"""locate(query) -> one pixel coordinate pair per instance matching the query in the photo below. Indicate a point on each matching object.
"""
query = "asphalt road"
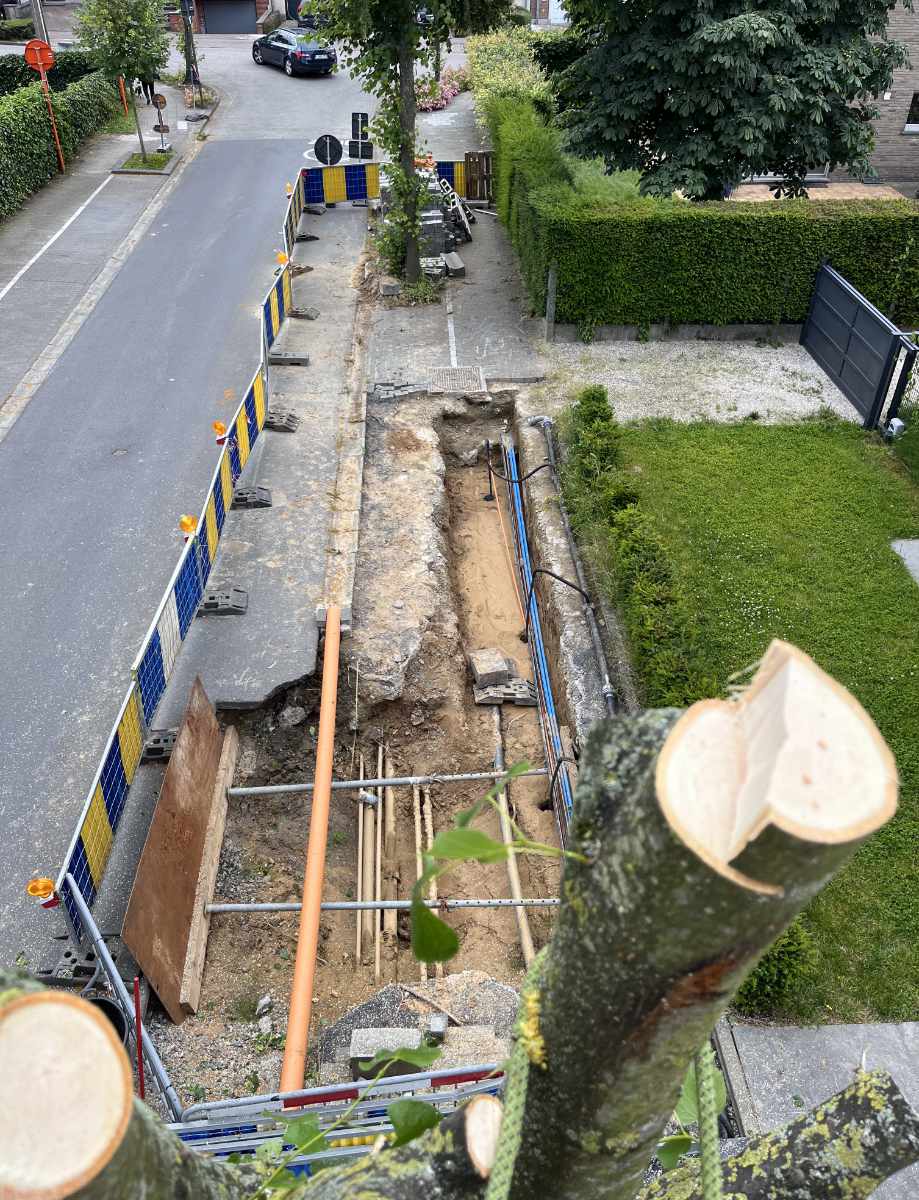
(116, 444)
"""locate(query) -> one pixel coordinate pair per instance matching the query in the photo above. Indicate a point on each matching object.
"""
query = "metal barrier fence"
(334, 185)
(91, 845)
(293, 214)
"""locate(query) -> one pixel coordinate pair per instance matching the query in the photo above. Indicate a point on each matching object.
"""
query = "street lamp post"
(38, 20)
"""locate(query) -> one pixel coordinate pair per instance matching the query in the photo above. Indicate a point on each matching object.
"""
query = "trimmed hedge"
(28, 159)
(69, 66)
(18, 30)
(637, 261)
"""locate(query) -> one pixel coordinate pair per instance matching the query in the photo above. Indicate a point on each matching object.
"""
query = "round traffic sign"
(39, 55)
(159, 100)
(328, 149)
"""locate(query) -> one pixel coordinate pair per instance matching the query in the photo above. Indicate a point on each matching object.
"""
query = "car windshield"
(305, 43)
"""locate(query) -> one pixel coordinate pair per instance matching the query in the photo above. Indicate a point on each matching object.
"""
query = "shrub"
(519, 17)
(431, 95)
(500, 64)
(27, 155)
(69, 66)
(779, 973)
(17, 31)
(556, 49)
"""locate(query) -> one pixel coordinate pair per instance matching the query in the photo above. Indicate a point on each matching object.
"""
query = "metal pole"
(359, 785)
(117, 984)
(38, 20)
(301, 994)
(507, 837)
(386, 905)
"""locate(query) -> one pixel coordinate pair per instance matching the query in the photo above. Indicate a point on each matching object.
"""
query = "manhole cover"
(458, 379)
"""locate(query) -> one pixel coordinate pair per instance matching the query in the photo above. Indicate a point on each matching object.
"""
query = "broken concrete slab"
(390, 286)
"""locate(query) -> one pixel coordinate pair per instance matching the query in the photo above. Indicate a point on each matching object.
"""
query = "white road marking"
(50, 242)
(451, 336)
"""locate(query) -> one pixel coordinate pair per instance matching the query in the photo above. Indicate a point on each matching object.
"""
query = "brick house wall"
(896, 154)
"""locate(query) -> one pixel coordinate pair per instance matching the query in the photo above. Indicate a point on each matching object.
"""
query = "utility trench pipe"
(301, 996)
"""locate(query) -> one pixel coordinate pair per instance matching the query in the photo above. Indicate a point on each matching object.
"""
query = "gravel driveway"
(689, 380)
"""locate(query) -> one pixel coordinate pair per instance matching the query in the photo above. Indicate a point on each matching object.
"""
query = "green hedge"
(69, 66)
(20, 30)
(28, 159)
(626, 260)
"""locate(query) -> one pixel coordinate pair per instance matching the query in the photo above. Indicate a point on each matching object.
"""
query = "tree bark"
(841, 1150)
(649, 947)
(407, 157)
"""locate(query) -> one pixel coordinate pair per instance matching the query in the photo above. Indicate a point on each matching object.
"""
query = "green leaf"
(687, 1109)
(669, 1149)
(410, 1118)
(432, 939)
(421, 1057)
(304, 1133)
(468, 843)
(270, 1150)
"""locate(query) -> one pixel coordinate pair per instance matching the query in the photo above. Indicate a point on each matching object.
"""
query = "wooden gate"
(478, 175)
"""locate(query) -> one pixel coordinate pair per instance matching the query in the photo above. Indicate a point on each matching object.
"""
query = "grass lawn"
(784, 531)
(155, 161)
(119, 122)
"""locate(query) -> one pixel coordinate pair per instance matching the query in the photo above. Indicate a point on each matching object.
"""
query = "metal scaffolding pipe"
(125, 1002)
(507, 837)
(301, 994)
(370, 905)
(356, 785)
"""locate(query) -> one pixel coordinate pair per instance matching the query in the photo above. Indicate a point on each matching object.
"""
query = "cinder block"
(491, 668)
(455, 265)
(365, 1043)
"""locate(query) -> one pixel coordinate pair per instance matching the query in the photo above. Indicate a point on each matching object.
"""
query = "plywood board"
(161, 907)
(196, 952)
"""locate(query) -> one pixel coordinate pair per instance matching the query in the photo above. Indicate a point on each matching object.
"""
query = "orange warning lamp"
(220, 431)
(288, 187)
(188, 524)
(281, 257)
(42, 890)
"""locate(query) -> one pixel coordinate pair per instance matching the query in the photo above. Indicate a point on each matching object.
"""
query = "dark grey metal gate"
(857, 346)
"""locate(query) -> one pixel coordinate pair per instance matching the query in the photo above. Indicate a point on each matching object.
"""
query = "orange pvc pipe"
(301, 994)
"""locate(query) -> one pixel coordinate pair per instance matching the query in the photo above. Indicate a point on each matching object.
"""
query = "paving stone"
(390, 286)
(490, 667)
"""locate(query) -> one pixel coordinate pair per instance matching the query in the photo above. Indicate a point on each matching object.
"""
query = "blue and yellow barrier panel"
(91, 845)
(277, 304)
(333, 185)
(293, 215)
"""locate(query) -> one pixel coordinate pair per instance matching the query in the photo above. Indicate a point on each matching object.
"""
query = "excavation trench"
(449, 586)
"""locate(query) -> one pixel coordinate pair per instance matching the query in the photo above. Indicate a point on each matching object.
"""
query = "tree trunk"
(653, 938)
(188, 49)
(437, 50)
(407, 158)
(842, 1150)
(140, 136)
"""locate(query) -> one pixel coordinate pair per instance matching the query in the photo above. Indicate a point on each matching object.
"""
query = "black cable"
(529, 606)
(565, 758)
(523, 478)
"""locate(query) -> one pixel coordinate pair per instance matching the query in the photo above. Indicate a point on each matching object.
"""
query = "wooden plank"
(472, 176)
(190, 992)
(159, 916)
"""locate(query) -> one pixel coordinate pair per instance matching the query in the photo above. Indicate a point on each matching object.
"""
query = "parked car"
(297, 53)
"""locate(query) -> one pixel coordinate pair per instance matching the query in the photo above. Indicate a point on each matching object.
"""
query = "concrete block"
(438, 1023)
(315, 210)
(365, 1043)
(455, 265)
(491, 668)
(390, 286)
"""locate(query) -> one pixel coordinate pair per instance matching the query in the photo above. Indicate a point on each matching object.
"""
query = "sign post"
(161, 127)
(40, 57)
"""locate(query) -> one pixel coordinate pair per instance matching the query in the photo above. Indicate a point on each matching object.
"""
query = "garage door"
(229, 16)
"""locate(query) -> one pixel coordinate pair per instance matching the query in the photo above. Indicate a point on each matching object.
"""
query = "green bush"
(16, 31)
(519, 17)
(28, 158)
(69, 66)
(779, 974)
(556, 49)
(627, 260)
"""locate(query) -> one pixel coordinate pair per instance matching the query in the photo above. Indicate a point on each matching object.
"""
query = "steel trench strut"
(385, 905)
(124, 1000)
(357, 785)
